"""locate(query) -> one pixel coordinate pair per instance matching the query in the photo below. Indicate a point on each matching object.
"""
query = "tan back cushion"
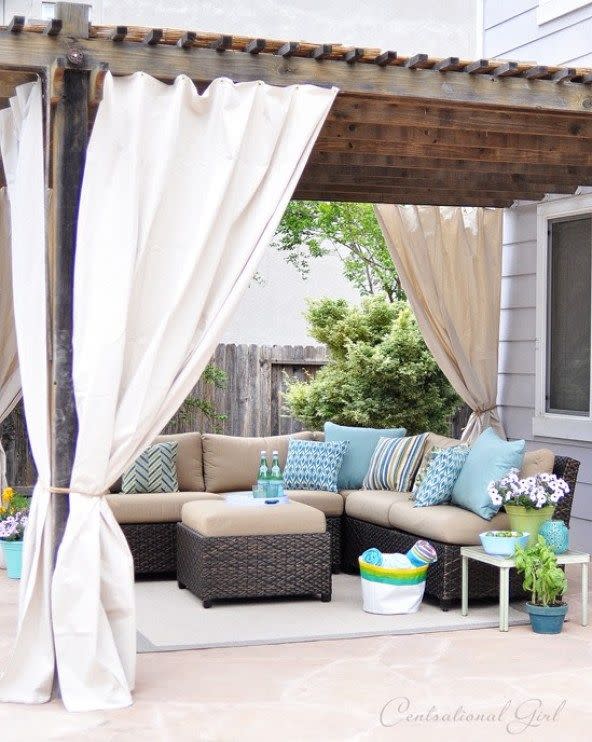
(540, 461)
(189, 462)
(231, 462)
(434, 440)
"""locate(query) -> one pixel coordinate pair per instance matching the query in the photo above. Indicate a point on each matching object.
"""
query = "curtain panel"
(10, 380)
(29, 674)
(449, 260)
(181, 194)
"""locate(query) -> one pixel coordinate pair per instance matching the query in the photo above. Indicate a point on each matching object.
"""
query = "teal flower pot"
(556, 534)
(546, 619)
(13, 555)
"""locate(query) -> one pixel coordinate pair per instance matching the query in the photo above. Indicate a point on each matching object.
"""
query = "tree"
(380, 373)
(311, 229)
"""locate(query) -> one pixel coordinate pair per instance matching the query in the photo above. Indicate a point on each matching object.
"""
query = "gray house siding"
(511, 31)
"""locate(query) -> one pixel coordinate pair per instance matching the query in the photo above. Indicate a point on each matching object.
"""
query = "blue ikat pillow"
(312, 465)
(440, 477)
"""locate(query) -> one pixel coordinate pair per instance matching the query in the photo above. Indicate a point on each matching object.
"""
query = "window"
(548, 10)
(564, 311)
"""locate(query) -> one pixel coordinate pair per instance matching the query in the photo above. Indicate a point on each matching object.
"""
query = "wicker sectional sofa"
(209, 466)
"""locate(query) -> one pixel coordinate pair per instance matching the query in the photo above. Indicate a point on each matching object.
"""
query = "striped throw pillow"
(394, 463)
(155, 470)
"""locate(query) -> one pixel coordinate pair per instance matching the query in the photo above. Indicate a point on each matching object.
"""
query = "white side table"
(505, 564)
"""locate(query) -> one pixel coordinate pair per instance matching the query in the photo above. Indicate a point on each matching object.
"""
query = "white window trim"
(549, 10)
(550, 424)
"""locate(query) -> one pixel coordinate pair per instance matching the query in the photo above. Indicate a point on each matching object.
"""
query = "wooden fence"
(251, 400)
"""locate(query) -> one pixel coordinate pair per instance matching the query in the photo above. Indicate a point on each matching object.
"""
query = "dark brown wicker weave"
(154, 546)
(218, 568)
(444, 577)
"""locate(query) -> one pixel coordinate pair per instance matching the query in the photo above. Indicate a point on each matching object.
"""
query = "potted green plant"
(14, 516)
(529, 502)
(546, 583)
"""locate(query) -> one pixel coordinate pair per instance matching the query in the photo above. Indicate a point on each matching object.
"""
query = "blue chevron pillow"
(312, 465)
(155, 470)
(440, 476)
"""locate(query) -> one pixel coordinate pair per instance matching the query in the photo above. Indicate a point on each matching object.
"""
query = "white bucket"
(388, 590)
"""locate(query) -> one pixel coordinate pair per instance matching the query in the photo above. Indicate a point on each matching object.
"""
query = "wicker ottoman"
(253, 551)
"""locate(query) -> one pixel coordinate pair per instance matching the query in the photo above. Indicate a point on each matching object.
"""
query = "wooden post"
(69, 131)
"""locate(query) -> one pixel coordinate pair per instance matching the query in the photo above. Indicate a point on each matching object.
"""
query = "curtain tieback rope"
(482, 411)
(67, 491)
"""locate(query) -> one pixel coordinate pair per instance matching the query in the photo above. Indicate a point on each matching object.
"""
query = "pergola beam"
(37, 51)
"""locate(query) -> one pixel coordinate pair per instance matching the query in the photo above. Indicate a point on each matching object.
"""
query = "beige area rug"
(170, 619)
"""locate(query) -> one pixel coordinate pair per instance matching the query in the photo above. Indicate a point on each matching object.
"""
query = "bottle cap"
(275, 453)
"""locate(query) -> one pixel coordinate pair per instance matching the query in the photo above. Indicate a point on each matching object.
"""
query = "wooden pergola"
(413, 130)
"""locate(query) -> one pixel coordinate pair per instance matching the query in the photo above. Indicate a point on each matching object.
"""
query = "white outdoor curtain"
(29, 674)
(181, 194)
(449, 260)
(10, 380)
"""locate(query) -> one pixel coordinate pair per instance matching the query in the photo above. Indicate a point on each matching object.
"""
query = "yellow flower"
(7, 496)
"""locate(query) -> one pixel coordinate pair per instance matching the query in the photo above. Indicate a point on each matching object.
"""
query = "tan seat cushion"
(223, 519)
(331, 503)
(231, 462)
(189, 462)
(540, 461)
(372, 506)
(447, 523)
(157, 507)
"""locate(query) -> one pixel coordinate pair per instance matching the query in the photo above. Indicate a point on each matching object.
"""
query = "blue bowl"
(502, 545)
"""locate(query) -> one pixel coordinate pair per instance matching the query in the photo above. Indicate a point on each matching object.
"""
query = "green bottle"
(263, 476)
(276, 472)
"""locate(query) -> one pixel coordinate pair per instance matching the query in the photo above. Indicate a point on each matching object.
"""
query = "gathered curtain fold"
(10, 380)
(181, 194)
(449, 261)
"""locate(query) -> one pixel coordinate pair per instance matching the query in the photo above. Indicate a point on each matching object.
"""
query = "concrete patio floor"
(500, 686)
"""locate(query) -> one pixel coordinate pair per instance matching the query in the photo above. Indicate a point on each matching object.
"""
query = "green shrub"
(379, 374)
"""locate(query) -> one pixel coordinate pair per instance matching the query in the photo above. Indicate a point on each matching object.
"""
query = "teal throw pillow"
(312, 465)
(490, 458)
(441, 474)
(155, 470)
(362, 442)
(394, 463)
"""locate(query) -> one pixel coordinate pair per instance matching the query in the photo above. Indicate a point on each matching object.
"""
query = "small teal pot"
(556, 534)
(546, 619)
(13, 555)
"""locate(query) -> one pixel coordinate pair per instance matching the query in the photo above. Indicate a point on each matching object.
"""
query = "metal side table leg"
(585, 572)
(465, 586)
(504, 598)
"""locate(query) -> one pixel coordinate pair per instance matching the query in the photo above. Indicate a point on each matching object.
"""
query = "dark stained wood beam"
(222, 43)
(321, 52)
(417, 148)
(447, 65)
(255, 46)
(478, 67)
(430, 136)
(187, 40)
(119, 33)
(418, 62)
(354, 175)
(353, 109)
(17, 24)
(436, 199)
(580, 174)
(353, 55)
(53, 27)
(564, 75)
(537, 73)
(36, 52)
(288, 49)
(153, 37)
(386, 58)
(509, 69)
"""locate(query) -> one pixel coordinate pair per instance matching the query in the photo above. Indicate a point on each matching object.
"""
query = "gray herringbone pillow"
(155, 470)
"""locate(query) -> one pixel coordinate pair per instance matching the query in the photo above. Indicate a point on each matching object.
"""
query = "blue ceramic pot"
(13, 555)
(546, 619)
(556, 534)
